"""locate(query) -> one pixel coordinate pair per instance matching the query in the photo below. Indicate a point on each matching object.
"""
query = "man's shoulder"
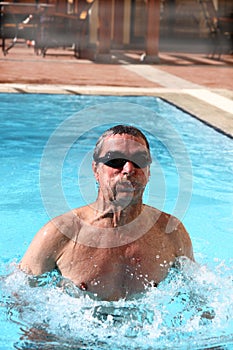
(173, 229)
(71, 222)
(84, 212)
(69, 218)
(167, 222)
(162, 215)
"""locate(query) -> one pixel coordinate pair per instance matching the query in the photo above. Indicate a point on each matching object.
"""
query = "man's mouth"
(126, 186)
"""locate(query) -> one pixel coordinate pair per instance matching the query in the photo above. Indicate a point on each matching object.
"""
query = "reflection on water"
(191, 306)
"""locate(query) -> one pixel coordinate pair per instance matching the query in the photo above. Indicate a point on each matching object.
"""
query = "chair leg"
(76, 51)
(14, 41)
(3, 44)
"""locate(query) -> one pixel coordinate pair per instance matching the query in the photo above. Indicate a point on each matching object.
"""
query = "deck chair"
(64, 30)
(217, 32)
(18, 24)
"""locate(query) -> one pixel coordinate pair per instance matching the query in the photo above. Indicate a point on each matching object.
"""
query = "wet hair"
(119, 130)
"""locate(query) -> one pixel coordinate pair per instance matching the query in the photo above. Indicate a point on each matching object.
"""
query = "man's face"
(123, 170)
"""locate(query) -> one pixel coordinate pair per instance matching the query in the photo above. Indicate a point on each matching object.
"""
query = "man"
(116, 246)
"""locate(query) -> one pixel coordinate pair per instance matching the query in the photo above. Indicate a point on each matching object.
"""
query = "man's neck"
(117, 214)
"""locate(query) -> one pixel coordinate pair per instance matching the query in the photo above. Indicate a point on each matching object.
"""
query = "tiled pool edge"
(186, 99)
(212, 116)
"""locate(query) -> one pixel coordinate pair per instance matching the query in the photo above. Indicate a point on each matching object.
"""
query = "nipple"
(83, 286)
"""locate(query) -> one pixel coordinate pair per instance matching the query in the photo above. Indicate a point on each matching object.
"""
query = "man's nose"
(129, 167)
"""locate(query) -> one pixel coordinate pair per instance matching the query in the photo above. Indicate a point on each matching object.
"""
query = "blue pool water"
(46, 145)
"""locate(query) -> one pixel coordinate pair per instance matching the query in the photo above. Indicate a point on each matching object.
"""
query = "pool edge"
(189, 100)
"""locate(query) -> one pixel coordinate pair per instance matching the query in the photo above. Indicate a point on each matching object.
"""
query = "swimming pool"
(46, 148)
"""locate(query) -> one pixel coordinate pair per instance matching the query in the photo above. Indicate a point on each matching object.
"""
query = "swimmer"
(117, 246)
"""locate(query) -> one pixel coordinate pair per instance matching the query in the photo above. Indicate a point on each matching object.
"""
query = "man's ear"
(95, 170)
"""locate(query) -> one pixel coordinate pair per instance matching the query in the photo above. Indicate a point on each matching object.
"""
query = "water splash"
(193, 305)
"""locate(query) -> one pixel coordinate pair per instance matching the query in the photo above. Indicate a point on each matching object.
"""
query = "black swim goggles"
(117, 160)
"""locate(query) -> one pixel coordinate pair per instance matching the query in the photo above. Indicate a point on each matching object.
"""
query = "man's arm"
(183, 243)
(44, 250)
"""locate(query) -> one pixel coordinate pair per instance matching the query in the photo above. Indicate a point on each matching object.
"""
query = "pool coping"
(194, 101)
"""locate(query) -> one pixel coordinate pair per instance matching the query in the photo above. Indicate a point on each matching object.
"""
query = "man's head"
(119, 130)
(122, 164)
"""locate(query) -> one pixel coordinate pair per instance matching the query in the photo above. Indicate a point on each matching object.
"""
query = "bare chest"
(116, 272)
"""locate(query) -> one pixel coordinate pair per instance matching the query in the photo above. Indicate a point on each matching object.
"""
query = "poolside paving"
(192, 81)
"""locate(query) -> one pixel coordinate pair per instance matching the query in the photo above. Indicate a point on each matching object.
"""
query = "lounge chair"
(220, 29)
(63, 30)
(18, 23)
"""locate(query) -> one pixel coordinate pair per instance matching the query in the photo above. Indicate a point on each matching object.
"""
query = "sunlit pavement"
(192, 81)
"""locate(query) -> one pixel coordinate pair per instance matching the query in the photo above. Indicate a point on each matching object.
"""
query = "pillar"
(105, 20)
(152, 36)
(118, 22)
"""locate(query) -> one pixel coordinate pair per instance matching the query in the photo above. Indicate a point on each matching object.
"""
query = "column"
(118, 23)
(152, 37)
(105, 20)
